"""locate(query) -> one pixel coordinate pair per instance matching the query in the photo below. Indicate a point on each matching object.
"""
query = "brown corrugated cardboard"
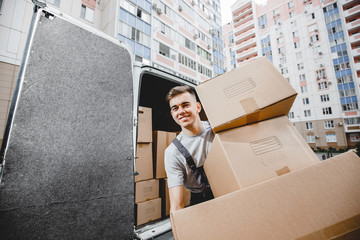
(161, 140)
(251, 154)
(148, 211)
(144, 162)
(317, 202)
(146, 190)
(144, 125)
(164, 193)
(253, 92)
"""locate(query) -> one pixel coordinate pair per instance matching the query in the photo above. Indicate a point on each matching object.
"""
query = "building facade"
(183, 37)
(315, 45)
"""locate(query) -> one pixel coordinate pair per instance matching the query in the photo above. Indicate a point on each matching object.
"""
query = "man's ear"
(198, 106)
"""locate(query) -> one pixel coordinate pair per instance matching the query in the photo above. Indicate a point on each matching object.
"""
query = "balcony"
(242, 14)
(355, 52)
(245, 44)
(245, 35)
(247, 53)
(355, 38)
(352, 11)
(244, 27)
(352, 25)
(239, 24)
(357, 66)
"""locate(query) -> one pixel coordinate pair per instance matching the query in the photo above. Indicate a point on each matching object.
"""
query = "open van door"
(68, 149)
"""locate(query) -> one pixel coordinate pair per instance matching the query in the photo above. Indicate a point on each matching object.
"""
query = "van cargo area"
(69, 150)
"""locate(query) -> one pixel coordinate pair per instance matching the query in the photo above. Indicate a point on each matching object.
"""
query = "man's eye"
(174, 109)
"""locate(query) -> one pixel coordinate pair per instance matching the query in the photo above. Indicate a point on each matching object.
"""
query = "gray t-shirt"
(177, 170)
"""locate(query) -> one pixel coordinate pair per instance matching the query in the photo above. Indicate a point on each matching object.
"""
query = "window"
(53, 2)
(320, 74)
(296, 44)
(277, 21)
(292, 14)
(164, 50)
(314, 38)
(300, 66)
(349, 106)
(87, 13)
(293, 24)
(291, 115)
(187, 61)
(307, 113)
(323, 85)
(304, 89)
(311, 16)
(306, 101)
(290, 4)
(311, 138)
(299, 55)
(295, 34)
(324, 98)
(302, 77)
(309, 126)
(352, 121)
(284, 70)
(276, 12)
(280, 40)
(331, 137)
(328, 124)
(327, 111)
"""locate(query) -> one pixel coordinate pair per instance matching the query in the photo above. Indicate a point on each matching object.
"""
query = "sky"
(225, 6)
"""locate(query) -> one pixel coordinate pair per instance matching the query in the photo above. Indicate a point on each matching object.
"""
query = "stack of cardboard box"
(148, 203)
(151, 193)
(267, 182)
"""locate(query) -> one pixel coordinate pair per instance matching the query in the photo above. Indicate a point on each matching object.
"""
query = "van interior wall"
(153, 92)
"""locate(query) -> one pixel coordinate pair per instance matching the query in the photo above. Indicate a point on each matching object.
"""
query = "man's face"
(184, 109)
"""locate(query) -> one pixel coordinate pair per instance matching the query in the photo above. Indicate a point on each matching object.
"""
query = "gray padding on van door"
(68, 167)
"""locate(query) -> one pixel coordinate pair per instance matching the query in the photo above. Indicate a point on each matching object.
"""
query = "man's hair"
(179, 90)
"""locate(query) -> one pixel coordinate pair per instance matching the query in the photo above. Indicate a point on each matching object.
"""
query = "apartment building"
(183, 37)
(315, 45)
(229, 46)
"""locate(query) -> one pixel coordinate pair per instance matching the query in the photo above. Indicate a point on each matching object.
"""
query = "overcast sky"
(226, 10)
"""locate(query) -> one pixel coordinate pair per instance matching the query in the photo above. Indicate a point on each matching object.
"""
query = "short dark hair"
(179, 90)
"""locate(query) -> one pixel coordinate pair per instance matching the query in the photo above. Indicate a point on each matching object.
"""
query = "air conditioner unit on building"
(329, 83)
(305, 11)
(339, 123)
(158, 10)
(195, 36)
(318, 78)
(310, 44)
(279, 23)
(321, 65)
(316, 136)
(316, 30)
(320, 53)
(180, 8)
(280, 65)
(193, 3)
(305, 1)
(154, 6)
(208, 46)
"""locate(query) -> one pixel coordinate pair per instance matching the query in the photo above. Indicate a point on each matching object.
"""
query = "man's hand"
(176, 195)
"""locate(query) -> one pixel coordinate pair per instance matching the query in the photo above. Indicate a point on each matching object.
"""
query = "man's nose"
(181, 110)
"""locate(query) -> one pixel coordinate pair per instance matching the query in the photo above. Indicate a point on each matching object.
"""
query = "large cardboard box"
(148, 211)
(144, 125)
(144, 162)
(253, 92)
(146, 190)
(318, 202)
(251, 154)
(164, 193)
(161, 140)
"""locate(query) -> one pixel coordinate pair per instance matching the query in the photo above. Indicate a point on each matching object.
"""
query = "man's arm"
(176, 195)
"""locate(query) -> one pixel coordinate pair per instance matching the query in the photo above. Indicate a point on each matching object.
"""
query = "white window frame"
(331, 137)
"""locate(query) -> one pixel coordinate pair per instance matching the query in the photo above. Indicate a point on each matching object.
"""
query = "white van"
(68, 153)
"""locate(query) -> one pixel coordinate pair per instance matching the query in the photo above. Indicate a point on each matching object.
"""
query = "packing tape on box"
(283, 171)
(347, 229)
(249, 105)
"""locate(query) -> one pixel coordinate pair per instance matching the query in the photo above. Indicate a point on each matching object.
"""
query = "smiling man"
(196, 136)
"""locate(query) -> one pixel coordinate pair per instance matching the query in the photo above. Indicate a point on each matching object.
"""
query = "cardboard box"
(148, 211)
(164, 193)
(317, 202)
(144, 125)
(251, 154)
(253, 92)
(144, 162)
(146, 190)
(161, 140)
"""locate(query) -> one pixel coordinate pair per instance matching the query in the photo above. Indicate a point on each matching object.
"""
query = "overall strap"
(185, 153)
